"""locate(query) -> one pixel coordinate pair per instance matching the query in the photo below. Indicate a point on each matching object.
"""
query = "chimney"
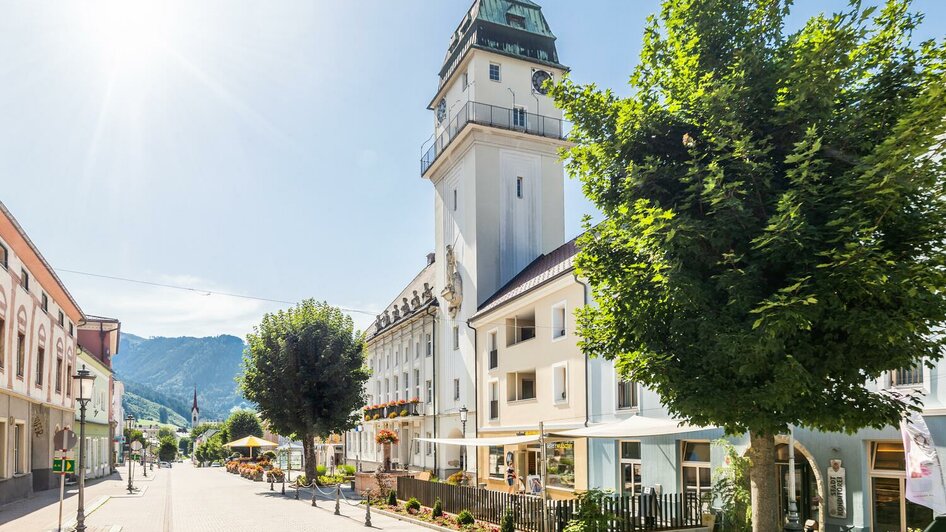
(431, 257)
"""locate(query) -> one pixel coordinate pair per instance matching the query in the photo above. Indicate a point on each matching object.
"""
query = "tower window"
(517, 21)
(454, 200)
(466, 80)
(494, 72)
(519, 187)
(519, 117)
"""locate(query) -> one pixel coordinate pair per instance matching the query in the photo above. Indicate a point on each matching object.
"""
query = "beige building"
(38, 320)
(529, 369)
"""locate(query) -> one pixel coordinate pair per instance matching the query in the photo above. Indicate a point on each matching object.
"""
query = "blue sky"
(261, 148)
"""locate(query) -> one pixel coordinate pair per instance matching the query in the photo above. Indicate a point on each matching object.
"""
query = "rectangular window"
(3, 448)
(430, 346)
(517, 21)
(417, 384)
(387, 390)
(44, 301)
(417, 350)
(497, 461)
(4, 259)
(71, 329)
(466, 80)
(454, 200)
(40, 362)
(519, 187)
(69, 380)
(407, 387)
(494, 72)
(627, 394)
(695, 468)
(493, 350)
(519, 117)
(561, 464)
(890, 508)
(558, 321)
(19, 449)
(3, 351)
(397, 393)
(907, 377)
(429, 447)
(20, 354)
(456, 337)
(560, 383)
(520, 386)
(62, 319)
(631, 467)
(456, 389)
(494, 400)
(24, 279)
(429, 398)
(520, 328)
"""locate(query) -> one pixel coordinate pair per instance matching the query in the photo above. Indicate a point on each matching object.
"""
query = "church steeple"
(195, 411)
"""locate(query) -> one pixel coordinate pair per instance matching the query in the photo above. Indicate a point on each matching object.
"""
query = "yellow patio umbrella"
(251, 442)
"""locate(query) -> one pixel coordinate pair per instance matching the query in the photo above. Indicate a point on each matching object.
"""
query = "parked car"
(215, 464)
(165, 464)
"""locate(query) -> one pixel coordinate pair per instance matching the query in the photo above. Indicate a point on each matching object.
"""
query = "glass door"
(891, 511)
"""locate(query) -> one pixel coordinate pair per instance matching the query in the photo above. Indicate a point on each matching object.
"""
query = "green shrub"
(302, 481)
(456, 479)
(330, 480)
(346, 469)
(465, 518)
(508, 522)
(412, 504)
(392, 498)
(438, 509)
(320, 470)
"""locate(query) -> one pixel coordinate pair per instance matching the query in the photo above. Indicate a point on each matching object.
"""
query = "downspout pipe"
(433, 364)
(476, 401)
(587, 379)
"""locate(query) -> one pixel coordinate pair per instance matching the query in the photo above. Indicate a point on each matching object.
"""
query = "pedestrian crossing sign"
(64, 466)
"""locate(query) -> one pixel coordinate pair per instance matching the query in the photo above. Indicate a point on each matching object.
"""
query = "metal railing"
(492, 116)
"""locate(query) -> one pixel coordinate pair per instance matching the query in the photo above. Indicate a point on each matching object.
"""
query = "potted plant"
(385, 438)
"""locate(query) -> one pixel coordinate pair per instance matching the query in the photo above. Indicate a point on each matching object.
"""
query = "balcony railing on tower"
(492, 116)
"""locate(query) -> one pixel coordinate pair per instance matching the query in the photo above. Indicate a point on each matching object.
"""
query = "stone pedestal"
(367, 481)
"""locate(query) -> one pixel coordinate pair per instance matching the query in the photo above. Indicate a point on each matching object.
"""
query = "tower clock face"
(539, 77)
(442, 110)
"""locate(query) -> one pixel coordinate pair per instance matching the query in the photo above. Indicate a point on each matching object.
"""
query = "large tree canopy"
(243, 423)
(304, 368)
(774, 213)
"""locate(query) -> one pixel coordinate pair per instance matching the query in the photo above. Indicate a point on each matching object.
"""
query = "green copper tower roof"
(510, 27)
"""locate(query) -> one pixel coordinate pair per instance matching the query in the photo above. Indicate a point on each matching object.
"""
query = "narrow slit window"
(519, 187)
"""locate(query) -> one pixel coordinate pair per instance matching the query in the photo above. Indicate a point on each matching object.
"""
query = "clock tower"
(498, 178)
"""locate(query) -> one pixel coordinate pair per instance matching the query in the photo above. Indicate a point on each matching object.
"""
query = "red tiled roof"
(540, 271)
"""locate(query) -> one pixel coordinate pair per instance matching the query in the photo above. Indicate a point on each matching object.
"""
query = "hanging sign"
(924, 474)
(61, 465)
(837, 490)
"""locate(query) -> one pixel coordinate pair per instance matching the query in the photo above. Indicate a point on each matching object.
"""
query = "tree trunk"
(308, 451)
(763, 478)
(387, 457)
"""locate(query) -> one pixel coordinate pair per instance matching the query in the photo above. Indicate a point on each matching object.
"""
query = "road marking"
(167, 505)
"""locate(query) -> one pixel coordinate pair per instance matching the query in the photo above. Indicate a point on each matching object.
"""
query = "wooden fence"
(629, 513)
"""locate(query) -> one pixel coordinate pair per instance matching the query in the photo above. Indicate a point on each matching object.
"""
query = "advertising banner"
(837, 490)
(924, 474)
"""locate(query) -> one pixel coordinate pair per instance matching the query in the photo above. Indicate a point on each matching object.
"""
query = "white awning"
(632, 427)
(483, 442)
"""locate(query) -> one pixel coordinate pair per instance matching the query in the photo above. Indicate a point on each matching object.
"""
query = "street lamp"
(793, 523)
(129, 422)
(463, 416)
(358, 430)
(84, 381)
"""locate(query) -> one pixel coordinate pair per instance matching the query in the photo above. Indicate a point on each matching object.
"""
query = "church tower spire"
(195, 412)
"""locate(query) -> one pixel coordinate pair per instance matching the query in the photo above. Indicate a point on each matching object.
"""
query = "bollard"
(271, 480)
(367, 509)
(314, 493)
(338, 491)
(284, 484)
(297, 489)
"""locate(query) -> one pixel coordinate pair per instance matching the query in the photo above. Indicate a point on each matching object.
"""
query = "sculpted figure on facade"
(405, 307)
(415, 301)
(452, 293)
(428, 292)
(395, 313)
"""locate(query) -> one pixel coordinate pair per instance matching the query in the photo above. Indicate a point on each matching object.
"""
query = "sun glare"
(128, 30)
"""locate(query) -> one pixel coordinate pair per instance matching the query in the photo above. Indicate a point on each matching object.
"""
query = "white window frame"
(456, 389)
(556, 392)
(559, 332)
(517, 391)
(430, 345)
(520, 187)
(627, 461)
(520, 117)
(492, 344)
(492, 386)
(499, 72)
(698, 466)
(417, 383)
(4, 442)
(429, 391)
(20, 449)
(456, 337)
(617, 395)
(429, 448)
(465, 79)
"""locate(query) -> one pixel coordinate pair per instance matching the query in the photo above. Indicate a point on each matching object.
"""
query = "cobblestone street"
(185, 499)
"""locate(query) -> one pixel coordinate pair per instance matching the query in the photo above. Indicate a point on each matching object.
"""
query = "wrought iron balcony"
(492, 116)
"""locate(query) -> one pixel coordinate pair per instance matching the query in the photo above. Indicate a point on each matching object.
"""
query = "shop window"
(890, 510)
(630, 467)
(497, 462)
(561, 464)
(695, 468)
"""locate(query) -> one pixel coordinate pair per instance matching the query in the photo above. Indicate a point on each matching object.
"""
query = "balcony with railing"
(492, 116)
(393, 410)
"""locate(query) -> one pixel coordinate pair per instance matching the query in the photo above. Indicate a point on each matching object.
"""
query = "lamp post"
(358, 430)
(463, 417)
(129, 421)
(84, 380)
(793, 519)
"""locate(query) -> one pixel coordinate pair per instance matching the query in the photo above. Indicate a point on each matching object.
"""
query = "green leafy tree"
(167, 432)
(163, 415)
(732, 488)
(167, 449)
(184, 445)
(202, 428)
(243, 423)
(774, 217)
(304, 369)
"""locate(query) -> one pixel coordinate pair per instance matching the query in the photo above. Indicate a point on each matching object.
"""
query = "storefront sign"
(837, 490)
(924, 474)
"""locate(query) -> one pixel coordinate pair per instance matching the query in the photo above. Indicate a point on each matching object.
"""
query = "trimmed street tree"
(304, 368)
(774, 218)
(243, 423)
